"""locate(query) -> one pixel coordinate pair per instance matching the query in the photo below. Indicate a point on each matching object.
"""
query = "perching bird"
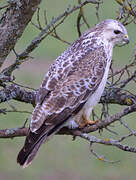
(73, 86)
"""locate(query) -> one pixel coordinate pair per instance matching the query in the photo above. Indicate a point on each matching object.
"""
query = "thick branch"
(10, 133)
(14, 132)
(116, 96)
(102, 124)
(13, 22)
(110, 96)
(13, 91)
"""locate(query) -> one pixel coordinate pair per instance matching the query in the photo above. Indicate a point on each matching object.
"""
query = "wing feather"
(63, 65)
(60, 96)
(85, 76)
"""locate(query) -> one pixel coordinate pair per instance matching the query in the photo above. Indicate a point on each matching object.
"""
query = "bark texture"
(13, 23)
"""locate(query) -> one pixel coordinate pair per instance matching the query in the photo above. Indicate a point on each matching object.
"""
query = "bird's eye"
(117, 31)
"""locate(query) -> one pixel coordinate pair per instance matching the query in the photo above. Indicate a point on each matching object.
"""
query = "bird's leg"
(82, 119)
(86, 121)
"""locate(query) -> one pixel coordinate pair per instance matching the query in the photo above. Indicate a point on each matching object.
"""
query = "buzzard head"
(114, 32)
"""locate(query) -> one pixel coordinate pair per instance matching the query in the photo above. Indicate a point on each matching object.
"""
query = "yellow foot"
(86, 122)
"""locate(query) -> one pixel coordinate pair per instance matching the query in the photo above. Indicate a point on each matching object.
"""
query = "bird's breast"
(95, 97)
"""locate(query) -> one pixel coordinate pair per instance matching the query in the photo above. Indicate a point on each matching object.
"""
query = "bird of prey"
(72, 86)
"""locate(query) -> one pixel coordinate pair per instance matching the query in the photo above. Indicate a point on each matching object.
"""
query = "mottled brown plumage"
(72, 86)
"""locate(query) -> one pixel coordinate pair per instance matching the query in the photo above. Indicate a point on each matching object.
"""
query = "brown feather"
(59, 107)
(71, 80)
(34, 141)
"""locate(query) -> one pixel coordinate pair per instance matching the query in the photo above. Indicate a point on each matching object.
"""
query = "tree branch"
(110, 96)
(15, 132)
(13, 23)
(13, 91)
(101, 124)
(55, 22)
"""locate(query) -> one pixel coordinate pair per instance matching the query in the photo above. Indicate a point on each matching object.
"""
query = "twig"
(126, 126)
(125, 82)
(5, 6)
(110, 119)
(59, 20)
(17, 111)
(97, 12)
(108, 141)
(38, 18)
(79, 17)
(100, 157)
(122, 69)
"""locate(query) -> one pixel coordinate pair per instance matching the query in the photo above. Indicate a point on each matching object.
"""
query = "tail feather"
(33, 142)
(25, 157)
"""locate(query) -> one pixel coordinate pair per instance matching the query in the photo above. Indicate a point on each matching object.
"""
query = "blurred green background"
(61, 158)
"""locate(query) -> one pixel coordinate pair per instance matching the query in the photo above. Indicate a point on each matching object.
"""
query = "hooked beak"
(126, 39)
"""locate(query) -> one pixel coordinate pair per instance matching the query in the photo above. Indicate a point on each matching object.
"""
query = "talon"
(86, 122)
(92, 122)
